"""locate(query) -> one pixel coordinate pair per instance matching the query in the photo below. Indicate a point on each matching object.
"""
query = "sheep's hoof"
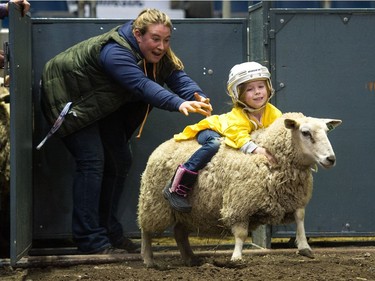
(194, 261)
(151, 265)
(306, 253)
(239, 263)
(159, 267)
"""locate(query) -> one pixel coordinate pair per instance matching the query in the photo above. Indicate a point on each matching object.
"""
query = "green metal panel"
(20, 133)
(258, 34)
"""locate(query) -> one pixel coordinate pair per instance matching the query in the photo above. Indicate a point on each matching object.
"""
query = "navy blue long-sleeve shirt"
(121, 64)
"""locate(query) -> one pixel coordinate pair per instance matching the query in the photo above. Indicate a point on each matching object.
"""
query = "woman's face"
(255, 94)
(154, 43)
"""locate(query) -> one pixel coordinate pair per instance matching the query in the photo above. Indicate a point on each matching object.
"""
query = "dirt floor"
(330, 263)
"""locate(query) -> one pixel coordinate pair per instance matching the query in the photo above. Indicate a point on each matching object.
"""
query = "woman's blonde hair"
(154, 16)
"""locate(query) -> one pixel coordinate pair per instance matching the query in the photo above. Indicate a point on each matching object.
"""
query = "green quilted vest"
(76, 76)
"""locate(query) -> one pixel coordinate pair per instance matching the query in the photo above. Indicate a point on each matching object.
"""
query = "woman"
(96, 94)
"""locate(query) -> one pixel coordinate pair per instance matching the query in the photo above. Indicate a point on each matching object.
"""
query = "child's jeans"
(210, 142)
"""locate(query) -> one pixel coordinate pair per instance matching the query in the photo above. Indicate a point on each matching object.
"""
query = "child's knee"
(216, 143)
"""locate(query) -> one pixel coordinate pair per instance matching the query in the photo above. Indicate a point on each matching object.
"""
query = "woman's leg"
(86, 148)
(118, 160)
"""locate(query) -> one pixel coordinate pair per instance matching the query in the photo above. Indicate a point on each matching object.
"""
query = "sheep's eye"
(306, 134)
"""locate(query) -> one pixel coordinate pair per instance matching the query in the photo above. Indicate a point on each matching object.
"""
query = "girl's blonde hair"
(154, 16)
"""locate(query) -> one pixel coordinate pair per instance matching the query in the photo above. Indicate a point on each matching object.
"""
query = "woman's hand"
(198, 97)
(265, 152)
(25, 5)
(201, 105)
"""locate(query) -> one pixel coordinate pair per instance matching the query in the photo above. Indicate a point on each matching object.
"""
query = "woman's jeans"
(210, 142)
(103, 159)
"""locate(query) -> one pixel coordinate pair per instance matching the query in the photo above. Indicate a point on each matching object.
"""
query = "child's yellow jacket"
(235, 125)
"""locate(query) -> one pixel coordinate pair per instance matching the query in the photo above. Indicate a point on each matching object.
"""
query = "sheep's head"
(310, 135)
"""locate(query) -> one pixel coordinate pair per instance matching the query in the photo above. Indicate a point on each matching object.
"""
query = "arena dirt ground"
(344, 262)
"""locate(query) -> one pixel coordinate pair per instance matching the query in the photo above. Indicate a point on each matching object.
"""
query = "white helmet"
(247, 72)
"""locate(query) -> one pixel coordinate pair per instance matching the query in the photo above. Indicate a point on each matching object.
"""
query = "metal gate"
(20, 133)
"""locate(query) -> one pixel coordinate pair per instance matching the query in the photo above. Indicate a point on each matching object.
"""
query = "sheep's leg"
(240, 232)
(181, 235)
(146, 249)
(301, 241)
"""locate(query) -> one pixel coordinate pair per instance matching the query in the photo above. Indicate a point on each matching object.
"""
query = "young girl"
(249, 86)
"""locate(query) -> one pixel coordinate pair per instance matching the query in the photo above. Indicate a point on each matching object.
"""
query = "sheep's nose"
(331, 159)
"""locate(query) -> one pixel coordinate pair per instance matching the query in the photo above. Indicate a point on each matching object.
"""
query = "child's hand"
(265, 152)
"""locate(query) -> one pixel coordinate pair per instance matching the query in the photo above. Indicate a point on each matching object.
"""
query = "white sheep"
(4, 173)
(238, 192)
(4, 137)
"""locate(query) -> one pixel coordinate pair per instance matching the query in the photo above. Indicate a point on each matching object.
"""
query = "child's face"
(255, 94)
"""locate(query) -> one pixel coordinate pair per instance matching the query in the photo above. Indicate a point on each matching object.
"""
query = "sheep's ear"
(291, 124)
(332, 123)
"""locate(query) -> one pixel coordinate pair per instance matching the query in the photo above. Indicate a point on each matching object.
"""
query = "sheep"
(238, 192)
(4, 138)
(4, 172)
